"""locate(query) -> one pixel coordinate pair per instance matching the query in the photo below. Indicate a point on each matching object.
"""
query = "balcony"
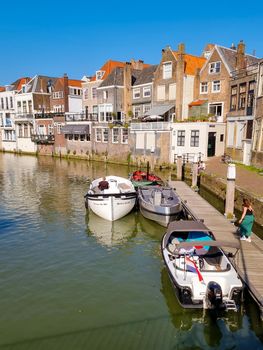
(162, 126)
(43, 139)
(87, 117)
(49, 115)
(24, 116)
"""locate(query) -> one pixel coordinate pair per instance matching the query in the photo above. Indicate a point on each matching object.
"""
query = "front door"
(211, 148)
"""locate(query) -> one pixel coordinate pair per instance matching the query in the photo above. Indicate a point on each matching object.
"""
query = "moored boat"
(142, 178)
(201, 273)
(160, 204)
(114, 202)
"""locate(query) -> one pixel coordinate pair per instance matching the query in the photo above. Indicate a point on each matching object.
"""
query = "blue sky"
(57, 37)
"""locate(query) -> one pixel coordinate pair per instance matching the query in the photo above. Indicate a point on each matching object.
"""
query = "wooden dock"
(249, 260)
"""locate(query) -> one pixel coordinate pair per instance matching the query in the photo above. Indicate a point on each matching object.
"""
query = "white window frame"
(216, 86)
(146, 108)
(115, 138)
(136, 111)
(145, 90)
(105, 131)
(217, 104)
(167, 70)
(98, 132)
(93, 95)
(122, 136)
(136, 93)
(99, 74)
(215, 67)
(204, 87)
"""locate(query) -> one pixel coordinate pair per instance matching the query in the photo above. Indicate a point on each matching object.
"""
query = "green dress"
(246, 224)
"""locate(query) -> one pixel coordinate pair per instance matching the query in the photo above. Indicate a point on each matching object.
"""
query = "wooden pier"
(249, 260)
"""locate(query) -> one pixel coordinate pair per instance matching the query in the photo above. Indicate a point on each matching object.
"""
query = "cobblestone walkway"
(246, 179)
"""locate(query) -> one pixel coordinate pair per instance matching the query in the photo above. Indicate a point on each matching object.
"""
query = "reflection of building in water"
(111, 233)
(213, 327)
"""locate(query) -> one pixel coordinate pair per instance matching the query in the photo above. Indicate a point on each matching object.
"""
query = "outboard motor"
(214, 299)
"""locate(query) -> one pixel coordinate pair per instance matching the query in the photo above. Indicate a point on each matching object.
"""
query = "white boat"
(160, 204)
(200, 271)
(114, 202)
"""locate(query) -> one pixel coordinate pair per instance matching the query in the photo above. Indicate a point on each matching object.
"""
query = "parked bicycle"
(226, 158)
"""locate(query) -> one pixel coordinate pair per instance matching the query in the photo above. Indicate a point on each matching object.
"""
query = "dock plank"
(250, 255)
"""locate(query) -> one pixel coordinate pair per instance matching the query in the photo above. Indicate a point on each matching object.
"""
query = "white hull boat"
(200, 271)
(112, 203)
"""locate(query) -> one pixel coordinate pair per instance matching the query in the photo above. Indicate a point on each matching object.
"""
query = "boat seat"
(157, 199)
(213, 256)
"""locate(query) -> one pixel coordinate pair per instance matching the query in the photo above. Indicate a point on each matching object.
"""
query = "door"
(211, 147)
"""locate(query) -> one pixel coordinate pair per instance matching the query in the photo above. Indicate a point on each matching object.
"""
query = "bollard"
(179, 167)
(152, 158)
(194, 172)
(230, 191)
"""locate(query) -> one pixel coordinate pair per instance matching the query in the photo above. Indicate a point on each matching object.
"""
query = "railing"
(189, 157)
(49, 115)
(151, 126)
(43, 139)
(91, 117)
(241, 73)
(24, 116)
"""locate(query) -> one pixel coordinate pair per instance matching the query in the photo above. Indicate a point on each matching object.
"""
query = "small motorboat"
(200, 271)
(114, 202)
(142, 178)
(160, 204)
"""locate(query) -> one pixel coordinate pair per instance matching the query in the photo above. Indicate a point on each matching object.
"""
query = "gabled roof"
(108, 68)
(146, 75)
(40, 83)
(229, 58)
(20, 82)
(192, 63)
(75, 83)
(115, 78)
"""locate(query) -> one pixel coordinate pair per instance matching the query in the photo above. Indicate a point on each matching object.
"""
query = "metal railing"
(44, 139)
(151, 126)
(92, 117)
(189, 157)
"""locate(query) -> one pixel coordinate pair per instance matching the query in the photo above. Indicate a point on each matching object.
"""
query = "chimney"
(127, 83)
(137, 64)
(66, 92)
(180, 68)
(233, 46)
(197, 84)
(240, 59)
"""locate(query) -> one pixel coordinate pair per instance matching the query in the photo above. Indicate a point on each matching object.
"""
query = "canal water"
(70, 280)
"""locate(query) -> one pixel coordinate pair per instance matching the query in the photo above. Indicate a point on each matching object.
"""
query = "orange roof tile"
(2, 89)
(192, 63)
(197, 103)
(74, 82)
(108, 67)
(22, 81)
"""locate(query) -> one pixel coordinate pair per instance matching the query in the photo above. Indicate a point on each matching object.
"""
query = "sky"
(57, 37)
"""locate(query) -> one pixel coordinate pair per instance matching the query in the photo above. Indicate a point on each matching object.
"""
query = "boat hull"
(111, 207)
(162, 218)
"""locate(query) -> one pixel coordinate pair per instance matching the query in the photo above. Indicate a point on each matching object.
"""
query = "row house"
(257, 139)
(8, 114)
(114, 97)
(172, 91)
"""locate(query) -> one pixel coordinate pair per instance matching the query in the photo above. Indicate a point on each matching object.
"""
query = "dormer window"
(23, 88)
(214, 67)
(99, 74)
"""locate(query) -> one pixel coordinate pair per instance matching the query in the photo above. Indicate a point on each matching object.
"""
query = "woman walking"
(246, 221)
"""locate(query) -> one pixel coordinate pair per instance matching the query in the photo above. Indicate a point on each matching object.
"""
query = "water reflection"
(212, 327)
(111, 233)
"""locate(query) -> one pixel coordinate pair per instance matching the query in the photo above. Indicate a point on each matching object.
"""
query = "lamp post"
(230, 191)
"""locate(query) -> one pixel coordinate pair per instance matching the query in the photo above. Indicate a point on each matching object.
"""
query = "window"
(146, 108)
(24, 107)
(216, 85)
(242, 96)
(30, 108)
(216, 109)
(20, 130)
(180, 137)
(25, 130)
(160, 92)
(59, 126)
(58, 94)
(11, 102)
(250, 97)
(194, 138)
(82, 137)
(167, 70)
(204, 87)
(2, 103)
(136, 93)
(76, 137)
(233, 100)
(136, 111)
(147, 91)
(214, 67)
(105, 95)
(124, 136)
(94, 92)
(86, 93)
(50, 129)
(99, 74)
(6, 103)
(19, 107)
(221, 137)
(172, 92)
(105, 135)
(115, 135)
(98, 135)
